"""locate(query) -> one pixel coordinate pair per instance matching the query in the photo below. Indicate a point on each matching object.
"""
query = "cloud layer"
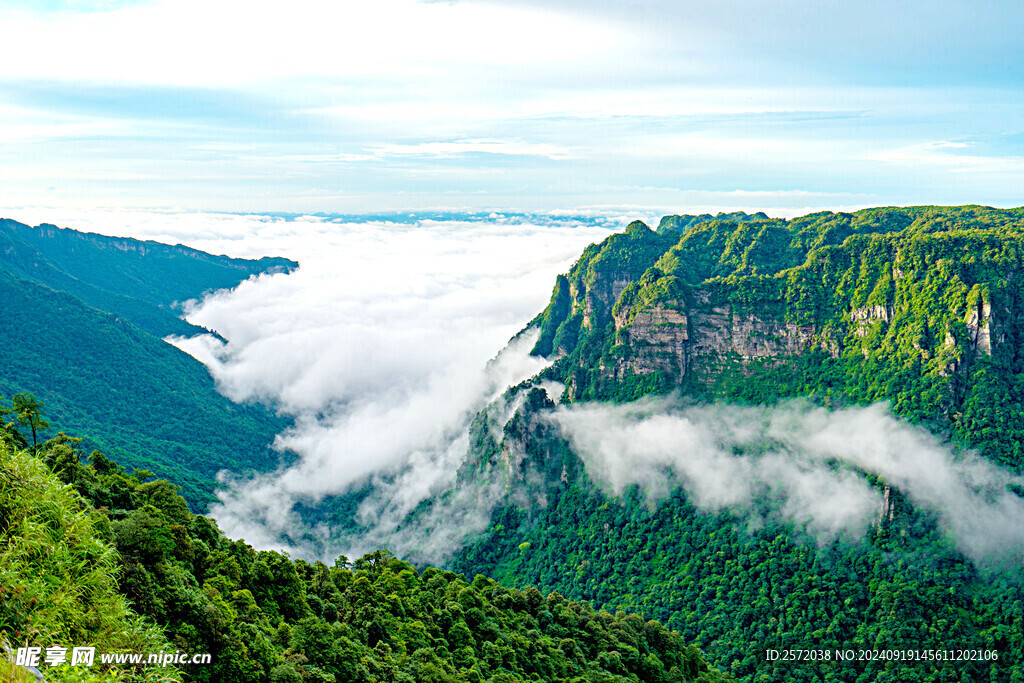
(810, 462)
(379, 345)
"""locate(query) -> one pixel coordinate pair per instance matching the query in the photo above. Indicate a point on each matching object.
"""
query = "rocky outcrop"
(660, 338)
(600, 296)
(726, 330)
(979, 326)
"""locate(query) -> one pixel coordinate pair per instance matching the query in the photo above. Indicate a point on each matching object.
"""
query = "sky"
(672, 106)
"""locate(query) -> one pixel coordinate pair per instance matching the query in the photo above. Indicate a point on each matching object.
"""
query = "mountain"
(919, 306)
(141, 281)
(83, 318)
(676, 477)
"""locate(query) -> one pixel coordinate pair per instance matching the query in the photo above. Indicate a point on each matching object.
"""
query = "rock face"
(979, 326)
(667, 336)
(600, 297)
(661, 337)
(671, 337)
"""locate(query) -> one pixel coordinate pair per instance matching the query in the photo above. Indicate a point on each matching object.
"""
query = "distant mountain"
(142, 281)
(82, 321)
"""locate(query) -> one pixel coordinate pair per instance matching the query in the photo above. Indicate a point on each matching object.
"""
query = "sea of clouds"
(381, 346)
(394, 332)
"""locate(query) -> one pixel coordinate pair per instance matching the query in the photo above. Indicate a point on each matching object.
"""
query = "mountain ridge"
(919, 307)
(83, 328)
(145, 281)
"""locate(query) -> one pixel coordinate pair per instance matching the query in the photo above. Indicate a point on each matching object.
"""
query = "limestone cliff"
(906, 305)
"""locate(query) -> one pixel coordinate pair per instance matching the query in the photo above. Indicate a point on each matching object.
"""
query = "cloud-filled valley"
(809, 461)
(379, 346)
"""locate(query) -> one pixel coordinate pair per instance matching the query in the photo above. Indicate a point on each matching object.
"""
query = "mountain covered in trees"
(918, 307)
(732, 315)
(84, 317)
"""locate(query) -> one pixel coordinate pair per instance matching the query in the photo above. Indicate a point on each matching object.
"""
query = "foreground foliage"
(66, 535)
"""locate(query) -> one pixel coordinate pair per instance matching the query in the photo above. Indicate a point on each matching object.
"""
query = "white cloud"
(460, 147)
(232, 42)
(379, 345)
(811, 460)
(947, 156)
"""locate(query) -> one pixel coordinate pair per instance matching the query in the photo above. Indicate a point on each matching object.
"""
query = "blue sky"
(316, 105)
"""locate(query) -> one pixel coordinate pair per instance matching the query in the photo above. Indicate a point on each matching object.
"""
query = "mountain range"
(84, 321)
(753, 436)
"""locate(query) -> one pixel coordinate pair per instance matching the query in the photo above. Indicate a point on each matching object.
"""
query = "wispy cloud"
(952, 157)
(463, 147)
(808, 462)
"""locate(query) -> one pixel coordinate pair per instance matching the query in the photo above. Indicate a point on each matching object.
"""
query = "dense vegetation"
(143, 282)
(83, 316)
(738, 586)
(93, 555)
(920, 307)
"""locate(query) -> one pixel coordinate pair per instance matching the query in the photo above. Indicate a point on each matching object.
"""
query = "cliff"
(919, 306)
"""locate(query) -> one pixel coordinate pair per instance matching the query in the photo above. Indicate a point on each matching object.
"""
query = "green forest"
(83, 321)
(737, 590)
(921, 308)
(92, 555)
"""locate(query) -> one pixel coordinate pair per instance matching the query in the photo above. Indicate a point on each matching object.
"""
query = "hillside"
(83, 317)
(142, 281)
(705, 505)
(93, 556)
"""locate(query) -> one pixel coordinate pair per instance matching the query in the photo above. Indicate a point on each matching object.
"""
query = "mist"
(385, 342)
(380, 345)
(809, 462)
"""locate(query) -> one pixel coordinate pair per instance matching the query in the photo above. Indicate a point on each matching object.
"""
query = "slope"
(140, 281)
(143, 400)
(916, 306)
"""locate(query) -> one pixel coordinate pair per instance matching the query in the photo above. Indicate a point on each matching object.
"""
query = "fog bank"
(810, 462)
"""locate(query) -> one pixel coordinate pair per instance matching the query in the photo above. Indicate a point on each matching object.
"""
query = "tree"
(8, 433)
(27, 408)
